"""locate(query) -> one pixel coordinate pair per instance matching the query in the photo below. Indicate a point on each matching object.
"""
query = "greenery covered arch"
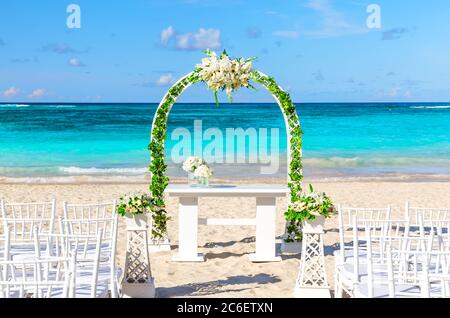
(159, 180)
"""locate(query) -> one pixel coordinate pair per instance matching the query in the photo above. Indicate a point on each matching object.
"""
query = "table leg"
(188, 231)
(265, 231)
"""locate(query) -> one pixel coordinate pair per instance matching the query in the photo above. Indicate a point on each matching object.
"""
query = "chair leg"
(113, 286)
(338, 292)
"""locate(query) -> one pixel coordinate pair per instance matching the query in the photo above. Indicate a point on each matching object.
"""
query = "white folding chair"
(430, 217)
(397, 267)
(348, 232)
(88, 219)
(49, 278)
(22, 219)
(87, 250)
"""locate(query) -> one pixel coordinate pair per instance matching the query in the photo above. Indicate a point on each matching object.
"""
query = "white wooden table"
(265, 221)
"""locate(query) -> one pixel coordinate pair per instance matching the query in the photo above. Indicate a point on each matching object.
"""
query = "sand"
(228, 271)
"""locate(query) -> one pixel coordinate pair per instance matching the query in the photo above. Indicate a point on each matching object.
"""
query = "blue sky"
(131, 51)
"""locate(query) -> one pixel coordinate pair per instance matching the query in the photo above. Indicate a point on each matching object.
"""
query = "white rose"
(203, 171)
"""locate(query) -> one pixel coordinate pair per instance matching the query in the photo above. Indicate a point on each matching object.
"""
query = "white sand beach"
(228, 271)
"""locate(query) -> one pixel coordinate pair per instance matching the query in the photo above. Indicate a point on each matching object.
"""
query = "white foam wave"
(14, 105)
(64, 106)
(430, 107)
(102, 171)
(340, 162)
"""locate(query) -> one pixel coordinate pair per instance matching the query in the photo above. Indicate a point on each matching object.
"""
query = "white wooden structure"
(138, 281)
(312, 280)
(265, 220)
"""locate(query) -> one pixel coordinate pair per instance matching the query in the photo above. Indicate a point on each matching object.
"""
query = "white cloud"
(394, 92)
(165, 80)
(10, 92)
(37, 93)
(59, 48)
(408, 94)
(200, 40)
(286, 34)
(166, 35)
(333, 22)
(75, 62)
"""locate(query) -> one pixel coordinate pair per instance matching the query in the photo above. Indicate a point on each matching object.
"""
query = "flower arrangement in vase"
(198, 171)
(189, 165)
(203, 173)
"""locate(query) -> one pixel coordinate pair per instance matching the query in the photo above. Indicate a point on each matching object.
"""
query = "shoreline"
(111, 180)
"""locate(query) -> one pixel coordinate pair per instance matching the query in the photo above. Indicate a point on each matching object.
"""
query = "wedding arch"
(221, 72)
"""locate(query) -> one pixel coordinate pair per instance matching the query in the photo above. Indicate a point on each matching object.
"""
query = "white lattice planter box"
(139, 290)
(137, 281)
(312, 292)
(312, 280)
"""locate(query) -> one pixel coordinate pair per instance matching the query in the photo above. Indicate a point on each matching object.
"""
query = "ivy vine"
(293, 227)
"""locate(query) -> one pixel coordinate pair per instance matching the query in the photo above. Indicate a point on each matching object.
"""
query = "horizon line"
(224, 103)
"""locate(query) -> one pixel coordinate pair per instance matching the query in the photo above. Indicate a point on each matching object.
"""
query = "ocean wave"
(14, 105)
(102, 171)
(430, 107)
(63, 106)
(340, 162)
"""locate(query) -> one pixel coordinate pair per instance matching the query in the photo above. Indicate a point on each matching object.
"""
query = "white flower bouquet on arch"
(222, 72)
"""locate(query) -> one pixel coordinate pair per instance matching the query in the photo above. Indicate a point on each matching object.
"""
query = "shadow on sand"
(231, 284)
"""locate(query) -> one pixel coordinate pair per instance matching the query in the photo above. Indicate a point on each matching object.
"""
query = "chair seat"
(83, 291)
(382, 291)
(348, 255)
(84, 274)
(13, 293)
(24, 252)
(347, 277)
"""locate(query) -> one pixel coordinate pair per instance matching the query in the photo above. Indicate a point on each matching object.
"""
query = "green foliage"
(310, 206)
(134, 204)
(158, 167)
(295, 165)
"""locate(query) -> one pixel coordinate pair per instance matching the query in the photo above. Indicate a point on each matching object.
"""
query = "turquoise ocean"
(340, 140)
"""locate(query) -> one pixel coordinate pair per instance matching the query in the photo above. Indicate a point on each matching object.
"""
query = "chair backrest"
(5, 245)
(404, 261)
(397, 264)
(87, 219)
(54, 277)
(346, 217)
(89, 211)
(87, 249)
(430, 216)
(23, 218)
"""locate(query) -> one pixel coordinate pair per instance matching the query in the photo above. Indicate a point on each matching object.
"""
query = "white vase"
(137, 221)
(192, 180)
(314, 227)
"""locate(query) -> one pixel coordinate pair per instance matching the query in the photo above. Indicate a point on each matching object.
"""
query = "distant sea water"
(340, 140)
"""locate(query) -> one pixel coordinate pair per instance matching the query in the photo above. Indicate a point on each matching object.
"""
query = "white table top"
(181, 190)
